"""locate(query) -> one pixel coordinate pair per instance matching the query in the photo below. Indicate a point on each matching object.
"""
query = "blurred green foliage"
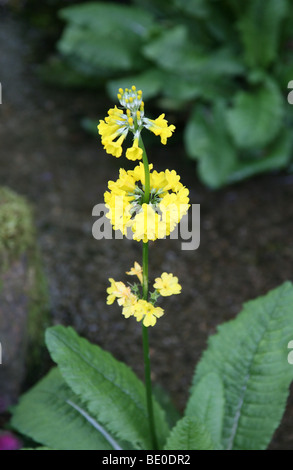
(224, 64)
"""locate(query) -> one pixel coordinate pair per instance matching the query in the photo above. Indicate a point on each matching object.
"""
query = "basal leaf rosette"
(168, 203)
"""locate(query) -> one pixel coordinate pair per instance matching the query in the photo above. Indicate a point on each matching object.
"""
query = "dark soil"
(246, 229)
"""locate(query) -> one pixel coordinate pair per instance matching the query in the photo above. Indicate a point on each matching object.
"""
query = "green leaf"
(260, 28)
(256, 116)
(171, 48)
(250, 353)
(195, 8)
(90, 52)
(277, 156)
(175, 52)
(207, 140)
(206, 403)
(109, 18)
(44, 415)
(189, 434)
(101, 37)
(112, 392)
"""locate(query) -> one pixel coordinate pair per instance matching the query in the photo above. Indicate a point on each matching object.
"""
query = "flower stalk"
(151, 204)
(145, 290)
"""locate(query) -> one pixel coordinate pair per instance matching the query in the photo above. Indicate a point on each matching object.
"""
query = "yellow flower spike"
(136, 270)
(167, 285)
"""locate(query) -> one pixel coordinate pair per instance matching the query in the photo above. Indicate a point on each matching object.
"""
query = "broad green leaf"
(103, 36)
(109, 18)
(157, 7)
(43, 414)
(189, 434)
(90, 52)
(206, 139)
(206, 403)
(250, 353)
(260, 28)
(174, 51)
(195, 8)
(276, 156)
(256, 116)
(114, 396)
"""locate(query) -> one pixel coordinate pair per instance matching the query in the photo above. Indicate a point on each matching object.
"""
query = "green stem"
(148, 385)
(145, 289)
(146, 172)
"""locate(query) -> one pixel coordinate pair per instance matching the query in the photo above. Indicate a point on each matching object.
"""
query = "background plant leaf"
(260, 25)
(100, 37)
(256, 116)
(207, 140)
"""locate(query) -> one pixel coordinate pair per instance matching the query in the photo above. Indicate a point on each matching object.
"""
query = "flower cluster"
(143, 201)
(132, 305)
(117, 125)
(168, 203)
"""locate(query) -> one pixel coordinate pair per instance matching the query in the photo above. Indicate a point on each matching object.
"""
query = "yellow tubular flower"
(128, 306)
(119, 123)
(118, 290)
(167, 285)
(147, 225)
(136, 270)
(134, 152)
(147, 313)
(160, 127)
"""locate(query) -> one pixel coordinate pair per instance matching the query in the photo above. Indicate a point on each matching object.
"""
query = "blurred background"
(220, 72)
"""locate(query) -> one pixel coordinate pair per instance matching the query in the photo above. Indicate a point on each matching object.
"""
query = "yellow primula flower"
(136, 270)
(168, 203)
(134, 152)
(128, 306)
(118, 291)
(118, 124)
(147, 313)
(160, 127)
(167, 285)
(147, 225)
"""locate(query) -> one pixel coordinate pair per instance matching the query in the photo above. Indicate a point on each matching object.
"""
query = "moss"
(17, 233)
(18, 238)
